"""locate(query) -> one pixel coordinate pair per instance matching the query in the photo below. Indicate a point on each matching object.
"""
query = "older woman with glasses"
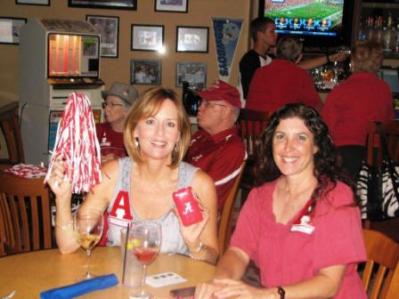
(117, 101)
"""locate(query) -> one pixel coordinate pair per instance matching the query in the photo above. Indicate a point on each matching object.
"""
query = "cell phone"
(183, 293)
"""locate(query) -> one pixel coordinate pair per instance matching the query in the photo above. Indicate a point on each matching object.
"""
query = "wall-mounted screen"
(306, 17)
(314, 20)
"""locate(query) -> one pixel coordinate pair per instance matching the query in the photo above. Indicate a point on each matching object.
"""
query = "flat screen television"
(390, 76)
(320, 23)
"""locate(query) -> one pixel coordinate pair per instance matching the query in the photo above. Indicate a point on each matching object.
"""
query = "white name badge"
(304, 227)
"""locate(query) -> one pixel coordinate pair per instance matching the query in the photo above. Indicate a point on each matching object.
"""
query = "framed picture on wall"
(171, 5)
(111, 4)
(146, 72)
(108, 27)
(192, 39)
(34, 2)
(9, 30)
(147, 37)
(192, 72)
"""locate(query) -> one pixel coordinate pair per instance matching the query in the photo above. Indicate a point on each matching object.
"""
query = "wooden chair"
(3, 235)
(225, 227)
(250, 124)
(391, 130)
(24, 214)
(9, 125)
(382, 258)
(393, 288)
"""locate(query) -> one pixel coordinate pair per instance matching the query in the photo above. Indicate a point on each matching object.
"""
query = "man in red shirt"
(282, 81)
(216, 148)
(117, 101)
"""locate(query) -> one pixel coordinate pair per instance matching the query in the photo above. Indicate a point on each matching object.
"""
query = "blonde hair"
(289, 48)
(367, 56)
(148, 105)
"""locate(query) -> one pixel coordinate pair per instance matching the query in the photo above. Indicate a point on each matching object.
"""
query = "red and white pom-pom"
(76, 143)
(28, 171)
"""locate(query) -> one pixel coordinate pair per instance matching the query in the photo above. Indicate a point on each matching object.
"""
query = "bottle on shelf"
(388, 34)
(378, 29)
(396, 47)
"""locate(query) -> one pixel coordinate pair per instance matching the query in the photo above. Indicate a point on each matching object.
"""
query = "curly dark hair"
(326, 170)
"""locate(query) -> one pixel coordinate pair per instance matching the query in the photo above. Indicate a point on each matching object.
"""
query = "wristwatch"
(281, 292)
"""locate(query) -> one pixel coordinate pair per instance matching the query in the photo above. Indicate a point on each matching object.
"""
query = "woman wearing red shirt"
(303, 228)
(362, 98)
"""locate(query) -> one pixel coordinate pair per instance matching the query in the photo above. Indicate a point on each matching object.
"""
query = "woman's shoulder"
(341, 195)
(110, 169)
(263, 192)
(184, 166)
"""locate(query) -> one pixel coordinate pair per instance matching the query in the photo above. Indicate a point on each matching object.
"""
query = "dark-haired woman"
(302, 228)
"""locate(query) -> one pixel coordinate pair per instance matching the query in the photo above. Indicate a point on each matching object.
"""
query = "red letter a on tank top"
(121, 207)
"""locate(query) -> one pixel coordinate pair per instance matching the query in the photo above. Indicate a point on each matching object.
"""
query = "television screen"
(390, 76)
(310, 19)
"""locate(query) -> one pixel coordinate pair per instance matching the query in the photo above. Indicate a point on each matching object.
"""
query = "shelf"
(380, 5)
(391, 55)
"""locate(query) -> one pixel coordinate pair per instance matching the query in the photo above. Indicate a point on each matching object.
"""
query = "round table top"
(34, 272)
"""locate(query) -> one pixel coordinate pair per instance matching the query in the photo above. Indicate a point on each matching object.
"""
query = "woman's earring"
(175, 152)
(136, 143)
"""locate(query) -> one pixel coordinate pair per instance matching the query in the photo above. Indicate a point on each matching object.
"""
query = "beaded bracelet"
(198, 249)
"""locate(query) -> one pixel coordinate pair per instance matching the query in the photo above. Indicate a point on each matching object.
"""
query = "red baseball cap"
(221, 91)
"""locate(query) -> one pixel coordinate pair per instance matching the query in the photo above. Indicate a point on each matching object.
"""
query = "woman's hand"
(237, 289)
(58, 181)
(192, 233)
(206, 290)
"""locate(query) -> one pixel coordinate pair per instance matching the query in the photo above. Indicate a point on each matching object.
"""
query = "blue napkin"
(80, 288)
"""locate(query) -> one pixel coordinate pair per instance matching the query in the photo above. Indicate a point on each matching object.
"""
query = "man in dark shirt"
(264, 36)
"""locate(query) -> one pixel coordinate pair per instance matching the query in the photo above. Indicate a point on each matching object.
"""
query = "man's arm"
(312, 63)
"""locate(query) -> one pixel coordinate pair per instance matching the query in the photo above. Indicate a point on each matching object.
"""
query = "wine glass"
(89, 227)
(146, 244)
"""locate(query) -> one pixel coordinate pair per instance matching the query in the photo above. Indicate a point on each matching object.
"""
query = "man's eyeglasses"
(208, 104)
(112, 105)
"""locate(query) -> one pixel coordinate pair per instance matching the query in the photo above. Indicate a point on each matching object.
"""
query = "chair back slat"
(3, 229)
(374, 154)
(382, 258)
(251, 124)
(224, 231)
(25, 208)
(22, 213)
(393, 288)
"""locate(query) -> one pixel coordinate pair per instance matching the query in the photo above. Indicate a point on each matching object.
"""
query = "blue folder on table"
(81, 288)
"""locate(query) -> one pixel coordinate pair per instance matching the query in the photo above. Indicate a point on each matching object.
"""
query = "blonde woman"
(139, 187)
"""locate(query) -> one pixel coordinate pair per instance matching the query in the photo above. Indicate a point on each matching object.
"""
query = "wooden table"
(31, 273)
